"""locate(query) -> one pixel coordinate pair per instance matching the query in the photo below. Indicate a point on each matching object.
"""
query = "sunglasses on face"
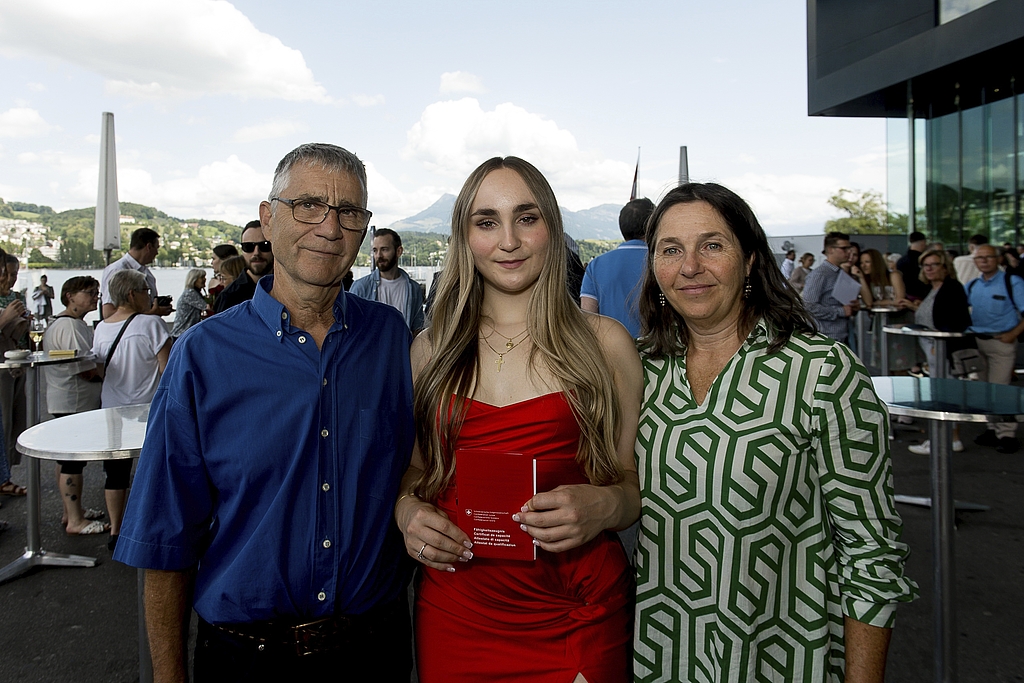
(249, 247)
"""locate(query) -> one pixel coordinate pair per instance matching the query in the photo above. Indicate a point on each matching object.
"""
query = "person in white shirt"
(966, 269)
(133, 369)
(142, 250)
(390, 284)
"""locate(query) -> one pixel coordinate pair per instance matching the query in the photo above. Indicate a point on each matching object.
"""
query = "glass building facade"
(966, 172)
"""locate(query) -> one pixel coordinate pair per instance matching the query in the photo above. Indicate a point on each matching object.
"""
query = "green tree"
(36, 256)
(79, 254)
(866, 214)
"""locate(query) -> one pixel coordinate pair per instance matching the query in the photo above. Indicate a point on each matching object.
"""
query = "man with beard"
(259, 261)
(390, 284)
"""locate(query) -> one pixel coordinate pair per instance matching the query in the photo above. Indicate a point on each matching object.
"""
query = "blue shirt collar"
(274, 315)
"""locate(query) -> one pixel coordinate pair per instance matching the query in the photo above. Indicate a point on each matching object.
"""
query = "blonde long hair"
(563, 341)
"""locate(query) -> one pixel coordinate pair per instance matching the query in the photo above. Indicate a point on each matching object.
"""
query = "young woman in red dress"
(511, 364)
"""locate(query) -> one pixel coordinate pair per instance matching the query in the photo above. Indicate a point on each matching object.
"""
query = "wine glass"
(37, 327)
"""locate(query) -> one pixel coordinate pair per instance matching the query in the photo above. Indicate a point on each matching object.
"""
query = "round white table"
(941, 369)
(104, 434)
(942, 402)
(33, 388)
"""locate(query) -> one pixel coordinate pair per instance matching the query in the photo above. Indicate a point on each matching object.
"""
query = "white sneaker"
(925, 447)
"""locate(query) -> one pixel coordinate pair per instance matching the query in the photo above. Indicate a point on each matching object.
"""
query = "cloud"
(787, 204)
(36, 87)
(27, 157)
(268, 130)
(22, 122)
(368, 100)
(461, 81)
(228, 190)
(161, 49)
(454, 137)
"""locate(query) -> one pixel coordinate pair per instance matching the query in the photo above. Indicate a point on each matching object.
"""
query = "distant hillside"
(598, 223)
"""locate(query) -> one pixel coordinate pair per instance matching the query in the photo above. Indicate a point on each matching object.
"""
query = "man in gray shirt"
(830, 314)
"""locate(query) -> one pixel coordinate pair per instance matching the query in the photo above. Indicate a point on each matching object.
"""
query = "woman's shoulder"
(613, 337)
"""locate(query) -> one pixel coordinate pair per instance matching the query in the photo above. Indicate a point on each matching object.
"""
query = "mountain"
(435, 218)
(600, 222)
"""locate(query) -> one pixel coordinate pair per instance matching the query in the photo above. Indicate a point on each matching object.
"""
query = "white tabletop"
(37, 358)
(922, 331)
(105, 434)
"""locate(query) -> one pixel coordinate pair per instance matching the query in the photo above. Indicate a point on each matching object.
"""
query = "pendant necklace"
(509, 345)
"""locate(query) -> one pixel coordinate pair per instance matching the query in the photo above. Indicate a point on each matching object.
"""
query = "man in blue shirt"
(612, 280)
(997, 300)
(390, 284)
(273, 454)
(830, 314)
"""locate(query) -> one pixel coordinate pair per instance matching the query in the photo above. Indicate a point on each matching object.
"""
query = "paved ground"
(79, 625)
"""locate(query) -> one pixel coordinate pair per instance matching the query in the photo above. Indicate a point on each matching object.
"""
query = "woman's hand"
(430, 537)
(907, 303)
(13, 311)
(568, 516)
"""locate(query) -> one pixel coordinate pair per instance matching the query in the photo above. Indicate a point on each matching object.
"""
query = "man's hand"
(1007, 337)
(850, 309)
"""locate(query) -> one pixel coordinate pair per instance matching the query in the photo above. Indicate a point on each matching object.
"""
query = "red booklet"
(493, 486)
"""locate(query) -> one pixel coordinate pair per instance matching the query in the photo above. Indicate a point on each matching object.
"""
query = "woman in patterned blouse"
(769, 546)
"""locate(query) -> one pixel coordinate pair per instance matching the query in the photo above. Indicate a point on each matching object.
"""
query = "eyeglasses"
(848, 247)
(352, 218)
(935, 264)
(249, 247)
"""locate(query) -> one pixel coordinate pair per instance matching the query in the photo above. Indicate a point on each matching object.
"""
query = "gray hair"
(193, 276)
(123, 283)
(321, 156)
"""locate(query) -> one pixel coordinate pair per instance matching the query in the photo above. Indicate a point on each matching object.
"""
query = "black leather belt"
(323, 635)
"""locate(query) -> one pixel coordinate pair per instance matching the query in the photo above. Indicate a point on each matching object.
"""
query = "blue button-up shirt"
(272, 466)
(826, 310)
(992, 312)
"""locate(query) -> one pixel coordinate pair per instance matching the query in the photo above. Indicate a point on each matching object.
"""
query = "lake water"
(169, 281)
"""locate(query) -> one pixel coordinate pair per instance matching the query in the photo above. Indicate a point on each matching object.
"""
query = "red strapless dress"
(543, 621)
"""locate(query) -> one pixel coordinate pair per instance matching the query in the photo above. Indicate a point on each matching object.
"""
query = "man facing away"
(997, 301)
(142, 250)
(612, 281)
(390, 284)
(259, 261)
(910, 267)
(830, 314)
(269, 497)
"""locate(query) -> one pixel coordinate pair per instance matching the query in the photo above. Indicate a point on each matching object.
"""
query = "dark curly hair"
(664, 332)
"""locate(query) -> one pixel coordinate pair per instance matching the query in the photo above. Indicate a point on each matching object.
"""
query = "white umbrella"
(108, 213)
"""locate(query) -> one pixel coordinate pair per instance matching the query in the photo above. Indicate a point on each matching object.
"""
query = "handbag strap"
(110, 353)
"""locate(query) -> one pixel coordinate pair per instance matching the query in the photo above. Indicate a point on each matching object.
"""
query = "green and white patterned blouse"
(768, 515)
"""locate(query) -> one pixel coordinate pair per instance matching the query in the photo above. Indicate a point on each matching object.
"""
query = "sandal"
(88, 513)
(9, 488)
(93, 527)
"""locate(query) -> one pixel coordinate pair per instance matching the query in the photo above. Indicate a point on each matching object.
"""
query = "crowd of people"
(701, 489)
(980, 293)
(699, 505)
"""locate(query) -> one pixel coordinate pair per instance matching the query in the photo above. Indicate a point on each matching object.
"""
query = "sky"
(208, 95)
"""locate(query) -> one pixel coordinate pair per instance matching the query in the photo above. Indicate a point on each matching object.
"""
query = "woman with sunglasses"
(259, 261)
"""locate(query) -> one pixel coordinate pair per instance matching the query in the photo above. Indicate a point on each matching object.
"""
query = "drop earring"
(747, 289)
(661, 299)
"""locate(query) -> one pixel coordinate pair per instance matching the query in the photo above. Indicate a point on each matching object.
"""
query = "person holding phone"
(142, 250)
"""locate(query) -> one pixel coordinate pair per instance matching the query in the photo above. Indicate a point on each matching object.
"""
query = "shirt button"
(302, 340)
(326, 486)
(323, 433)
(284, 315)
(327, 543)
(325, 381)
(321, 596)
(279, 333)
